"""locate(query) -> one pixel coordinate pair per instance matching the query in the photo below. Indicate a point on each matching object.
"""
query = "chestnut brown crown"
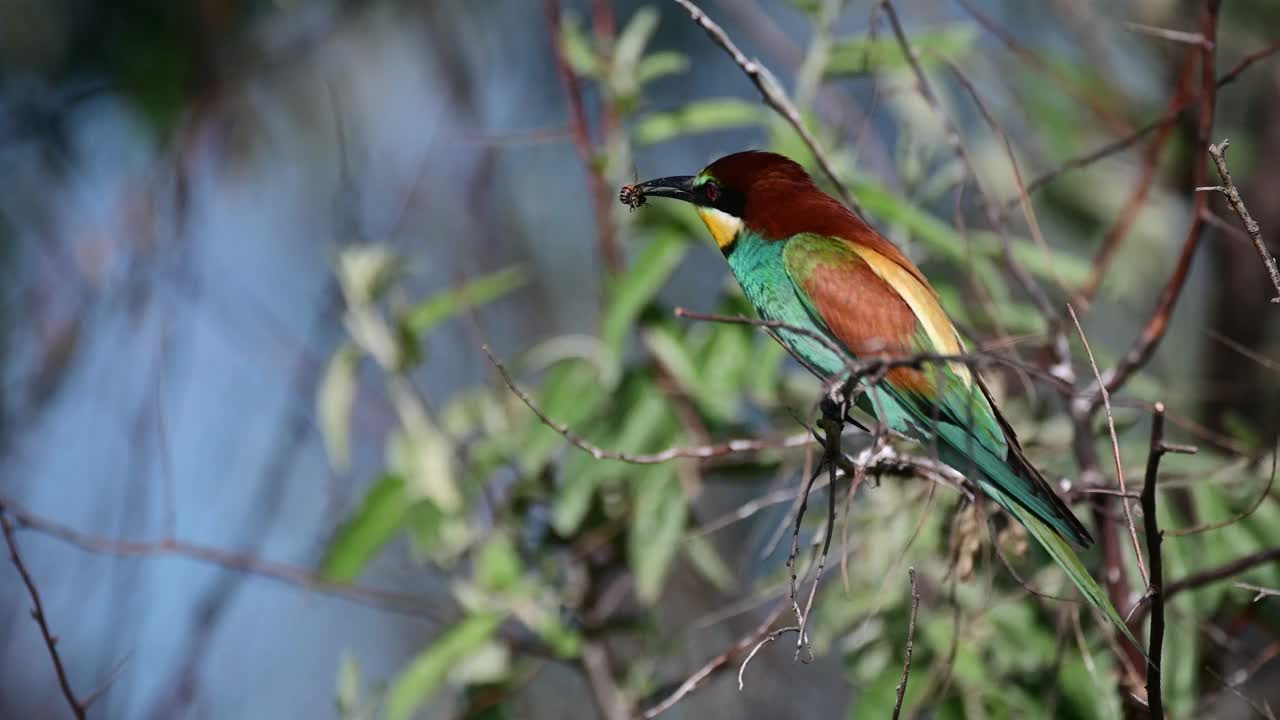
(775, 197)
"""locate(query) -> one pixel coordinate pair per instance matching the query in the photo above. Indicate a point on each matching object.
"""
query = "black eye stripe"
(714, 195)
(731, 202)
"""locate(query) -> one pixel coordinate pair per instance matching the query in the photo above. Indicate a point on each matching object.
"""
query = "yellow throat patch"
(723, 226)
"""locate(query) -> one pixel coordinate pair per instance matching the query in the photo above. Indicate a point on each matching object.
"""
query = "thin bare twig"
(1263, 711)
(1256, 56)
(1228, 189)
(761, 27)
(1008, 566)
(1115, 445)
(1212, 575)
(1085, 96)
(793, 562)
(1265, 362)
(1208, 577)
(1128, 214)
(1123, 143)
(767, 639)
(772, 94)
(235, 561)
(901, 690)
(1097, 154)
(1155, 584)
(1024, 278)
(833, 414)
(102, 688)
(1089, 664)
(716, 664)
(37, 614)
(854, 484)
(769, 325)
(697, 451)
(776, 537)
(1266, 491)
(751, 507)
(1158, 324)
(601, 195)
(610, 700)
(1024, 199)
(1260, 592)
(1177, 36)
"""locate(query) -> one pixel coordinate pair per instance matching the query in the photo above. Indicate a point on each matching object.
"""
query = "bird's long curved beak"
(679, 187)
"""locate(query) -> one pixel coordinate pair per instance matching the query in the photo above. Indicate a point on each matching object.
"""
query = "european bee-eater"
(807, 261)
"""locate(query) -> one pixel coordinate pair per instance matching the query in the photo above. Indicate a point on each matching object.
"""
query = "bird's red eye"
(711, 190)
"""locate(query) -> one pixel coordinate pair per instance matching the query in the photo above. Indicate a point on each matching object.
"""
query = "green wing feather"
(843, 290)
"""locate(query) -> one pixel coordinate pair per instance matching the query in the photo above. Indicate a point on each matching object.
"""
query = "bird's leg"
(834, 405)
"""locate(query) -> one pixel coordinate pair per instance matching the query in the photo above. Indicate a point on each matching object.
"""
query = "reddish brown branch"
(1210, 576)
(601, 195)
(604, 24)
(1138, 196)
(1235, 567)
(1244, 63)
(1101, 153)
(1154, 332)
(1085, 96)
(37, 613)
(1123, 143)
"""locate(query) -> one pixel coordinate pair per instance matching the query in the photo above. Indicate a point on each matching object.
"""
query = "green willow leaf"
(430, 669)
(637, 288)
(660, 64)
(698, 116)
(498, 567)
(708, 562)
(336, 397)
(659, 524)
(347, 691)
(673, 354)
(862, 54)
(485, 289)
(372, 526)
